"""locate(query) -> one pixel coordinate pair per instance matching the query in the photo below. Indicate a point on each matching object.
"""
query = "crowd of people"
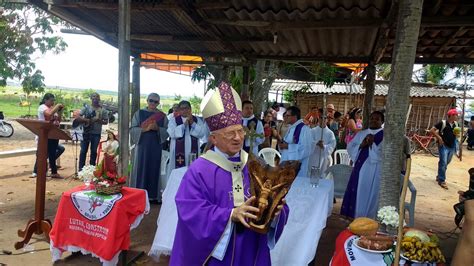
(310, 139)
(221, 139)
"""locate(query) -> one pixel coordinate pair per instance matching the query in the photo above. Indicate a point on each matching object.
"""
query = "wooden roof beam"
(167, 5)
(192, 39)
(181, 62)
(292, 25)
(448, 21)
(384, 33)
(188, 8)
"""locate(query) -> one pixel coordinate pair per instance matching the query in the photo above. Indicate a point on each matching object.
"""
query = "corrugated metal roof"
(327, 30)
(342, 88)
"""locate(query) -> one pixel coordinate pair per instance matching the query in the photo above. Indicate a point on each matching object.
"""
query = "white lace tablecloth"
(309, 210)
(168, 218)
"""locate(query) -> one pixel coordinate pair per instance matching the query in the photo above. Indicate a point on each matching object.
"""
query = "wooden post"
(124, 83)
(245, 83)
(136, 85)
(403, 58)
(463, 112)
(369, 85)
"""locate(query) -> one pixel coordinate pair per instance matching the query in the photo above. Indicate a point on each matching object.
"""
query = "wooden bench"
(16, 153)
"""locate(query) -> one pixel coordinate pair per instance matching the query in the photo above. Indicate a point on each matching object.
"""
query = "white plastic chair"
(165, 158)
(340, 173)
(163, 181)
(269, 154)
(343, 156)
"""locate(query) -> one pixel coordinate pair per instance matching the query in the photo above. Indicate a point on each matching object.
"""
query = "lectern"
(44, 131)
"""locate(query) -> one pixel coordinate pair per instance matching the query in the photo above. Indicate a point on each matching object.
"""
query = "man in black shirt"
(443, 132)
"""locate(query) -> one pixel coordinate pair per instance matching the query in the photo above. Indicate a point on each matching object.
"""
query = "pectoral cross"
(237, 188)
(236, 167)
(180, 159)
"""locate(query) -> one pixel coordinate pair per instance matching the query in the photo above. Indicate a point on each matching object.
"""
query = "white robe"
(329, 144)
(369, 176)
(300, 151)
(258, 130)
(197, 129)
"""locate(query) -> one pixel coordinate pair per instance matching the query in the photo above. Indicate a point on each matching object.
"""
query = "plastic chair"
(269, 154)
(163, 181)
(340, 173)
(410, 206)
(343, 156)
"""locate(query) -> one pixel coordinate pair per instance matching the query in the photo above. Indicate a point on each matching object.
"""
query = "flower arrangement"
(388, 215)
(87, 173)
(104, 178)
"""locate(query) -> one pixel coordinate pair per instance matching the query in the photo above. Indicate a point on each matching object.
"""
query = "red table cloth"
(97, 224)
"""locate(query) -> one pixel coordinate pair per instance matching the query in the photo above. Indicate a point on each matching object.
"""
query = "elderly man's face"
(153, 102)
(229, 140)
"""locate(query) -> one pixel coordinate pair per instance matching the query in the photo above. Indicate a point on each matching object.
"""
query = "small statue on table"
(107, 180)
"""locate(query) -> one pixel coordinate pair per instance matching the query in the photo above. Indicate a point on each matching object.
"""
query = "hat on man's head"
(221, 107)
(330, 106)
(452, 112)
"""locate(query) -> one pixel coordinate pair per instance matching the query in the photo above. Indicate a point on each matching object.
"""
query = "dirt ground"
(433, 206)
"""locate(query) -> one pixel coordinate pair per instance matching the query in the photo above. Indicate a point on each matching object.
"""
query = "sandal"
(443, 185)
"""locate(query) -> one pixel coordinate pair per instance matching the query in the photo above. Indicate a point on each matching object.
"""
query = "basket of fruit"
(421, 247)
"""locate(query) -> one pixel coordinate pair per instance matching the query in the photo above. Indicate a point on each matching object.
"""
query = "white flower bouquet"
(87, 173)
(388, 215)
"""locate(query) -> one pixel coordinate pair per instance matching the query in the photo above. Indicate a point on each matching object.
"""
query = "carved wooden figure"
(269, 185)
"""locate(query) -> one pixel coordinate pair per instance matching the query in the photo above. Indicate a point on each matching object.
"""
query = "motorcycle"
(6, 129)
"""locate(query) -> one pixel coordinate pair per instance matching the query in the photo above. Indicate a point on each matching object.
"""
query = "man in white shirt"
(298, 143)
(325, 145)
(251, 123)
(185, 130)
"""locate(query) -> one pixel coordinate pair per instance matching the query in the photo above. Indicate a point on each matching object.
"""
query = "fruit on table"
(417, 250)
(420, 234)
(364, 226)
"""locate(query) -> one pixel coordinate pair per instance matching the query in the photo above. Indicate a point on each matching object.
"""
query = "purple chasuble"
(204, 202)
(179, 158)
(350, 196)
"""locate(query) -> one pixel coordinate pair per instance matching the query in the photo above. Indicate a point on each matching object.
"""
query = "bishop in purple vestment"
(213, 200)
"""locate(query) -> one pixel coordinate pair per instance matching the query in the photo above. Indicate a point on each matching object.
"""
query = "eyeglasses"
(153, 101)
(231, 134)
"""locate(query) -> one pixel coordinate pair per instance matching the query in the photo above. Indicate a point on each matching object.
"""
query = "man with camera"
(92, 117)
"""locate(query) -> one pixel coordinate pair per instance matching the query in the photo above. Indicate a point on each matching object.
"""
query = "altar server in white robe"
(251, 122)
(362, 194)
(185, 130)
(298, 143)
(325, 144)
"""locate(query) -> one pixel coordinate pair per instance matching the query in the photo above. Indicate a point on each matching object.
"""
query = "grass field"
(13, 102)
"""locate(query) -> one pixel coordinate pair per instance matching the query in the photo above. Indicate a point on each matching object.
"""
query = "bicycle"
(427, 143)
(6, 129)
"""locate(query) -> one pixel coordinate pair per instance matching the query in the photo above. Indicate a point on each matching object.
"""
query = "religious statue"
(110, 149)
(269, 185)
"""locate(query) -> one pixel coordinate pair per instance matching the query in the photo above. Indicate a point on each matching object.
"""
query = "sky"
(89, 63)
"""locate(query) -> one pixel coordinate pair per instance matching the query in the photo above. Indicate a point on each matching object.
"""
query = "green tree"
(196, 103)
(177, 97)
(86, 94)
(33, 84)
(25, 31)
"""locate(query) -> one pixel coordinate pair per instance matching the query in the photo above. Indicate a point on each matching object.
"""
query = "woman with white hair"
(147, 134)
